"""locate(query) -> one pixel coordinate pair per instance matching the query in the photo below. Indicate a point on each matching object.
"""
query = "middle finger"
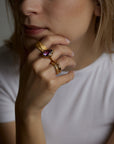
(61, 50)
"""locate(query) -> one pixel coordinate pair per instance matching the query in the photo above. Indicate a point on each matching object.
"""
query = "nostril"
(28, 13)
(30, 8)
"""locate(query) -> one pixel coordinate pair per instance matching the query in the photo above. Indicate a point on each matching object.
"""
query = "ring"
(57, 67)
(47, 53)
(41, 47)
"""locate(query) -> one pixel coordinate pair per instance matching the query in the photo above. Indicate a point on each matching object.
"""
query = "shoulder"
(9, 83)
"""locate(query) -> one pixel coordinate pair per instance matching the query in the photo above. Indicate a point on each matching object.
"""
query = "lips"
(33, 30)
(32, 27)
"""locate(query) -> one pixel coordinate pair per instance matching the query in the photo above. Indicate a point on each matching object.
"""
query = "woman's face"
(69, 18)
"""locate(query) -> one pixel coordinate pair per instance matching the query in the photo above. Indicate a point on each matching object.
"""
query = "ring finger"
(60, 50)
(63, 62)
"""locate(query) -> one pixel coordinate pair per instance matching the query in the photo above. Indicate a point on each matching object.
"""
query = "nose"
(31, 7)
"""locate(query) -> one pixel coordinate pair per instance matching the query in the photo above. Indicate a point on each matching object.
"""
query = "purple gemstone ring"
(47, 53)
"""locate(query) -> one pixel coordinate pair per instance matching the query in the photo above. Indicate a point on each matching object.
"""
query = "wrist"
(27, 115)
(23, 112)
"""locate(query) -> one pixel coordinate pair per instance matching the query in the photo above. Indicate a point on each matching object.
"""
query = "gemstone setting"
(47, 53)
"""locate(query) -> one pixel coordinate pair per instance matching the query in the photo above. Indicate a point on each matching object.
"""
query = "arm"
(37, 86)
(29, 130)
(7, 133)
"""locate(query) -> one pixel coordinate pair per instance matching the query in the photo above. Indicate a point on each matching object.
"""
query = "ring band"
(48, 53)
(40, 46)
(45, 52)
(57, 67)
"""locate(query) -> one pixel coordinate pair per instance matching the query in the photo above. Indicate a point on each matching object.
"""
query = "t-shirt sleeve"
(7, 103)
(9, 81)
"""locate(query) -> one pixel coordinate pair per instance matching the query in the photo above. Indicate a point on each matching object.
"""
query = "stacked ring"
(48, 53)
(57, 67)
(40, 46)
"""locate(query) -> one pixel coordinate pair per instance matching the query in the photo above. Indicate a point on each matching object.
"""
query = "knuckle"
(51, 85)
(58, 48)
(43, 75)
(36, 65)
(48, 38)
(64, 58)
(34, 68)
(29, 58)
(48, 82)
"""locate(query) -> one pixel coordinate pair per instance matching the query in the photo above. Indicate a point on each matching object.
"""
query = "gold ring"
(57, 67)
(41, 47)
(44, 49)
(47, 53)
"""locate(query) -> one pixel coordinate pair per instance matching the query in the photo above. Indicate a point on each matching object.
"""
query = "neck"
(85, 51)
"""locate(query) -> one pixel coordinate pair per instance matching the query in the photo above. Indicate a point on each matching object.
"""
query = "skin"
(71, 19)
(67, 18)
(64, 19)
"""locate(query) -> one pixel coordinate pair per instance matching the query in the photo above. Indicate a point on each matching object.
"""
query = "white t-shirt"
(81, 111)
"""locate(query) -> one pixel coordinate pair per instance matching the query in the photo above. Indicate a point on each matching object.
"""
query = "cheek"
(71, 19)
(79, 21)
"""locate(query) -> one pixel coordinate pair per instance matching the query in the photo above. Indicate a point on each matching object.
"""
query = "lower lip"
(33, 31)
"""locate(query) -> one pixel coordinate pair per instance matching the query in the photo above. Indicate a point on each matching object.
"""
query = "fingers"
(54, 84)
(41, 64)
(54, 40)
(48, 42)
(62, 54)
(60, 50)
(65, 61)
(63, 79)
(50, 71)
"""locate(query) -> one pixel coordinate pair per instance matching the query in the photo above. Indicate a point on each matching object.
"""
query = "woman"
(65, 93)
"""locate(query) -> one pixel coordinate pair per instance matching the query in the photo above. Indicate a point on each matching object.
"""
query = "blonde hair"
(104, 28)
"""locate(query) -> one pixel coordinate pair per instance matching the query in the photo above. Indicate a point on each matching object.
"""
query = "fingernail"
(67, 40)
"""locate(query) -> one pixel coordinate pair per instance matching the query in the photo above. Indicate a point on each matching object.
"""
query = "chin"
(29, 43)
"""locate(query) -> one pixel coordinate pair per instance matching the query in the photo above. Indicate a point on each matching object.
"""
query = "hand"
(38, 80)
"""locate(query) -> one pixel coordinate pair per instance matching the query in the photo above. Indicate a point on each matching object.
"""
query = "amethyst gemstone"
(47, 53)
